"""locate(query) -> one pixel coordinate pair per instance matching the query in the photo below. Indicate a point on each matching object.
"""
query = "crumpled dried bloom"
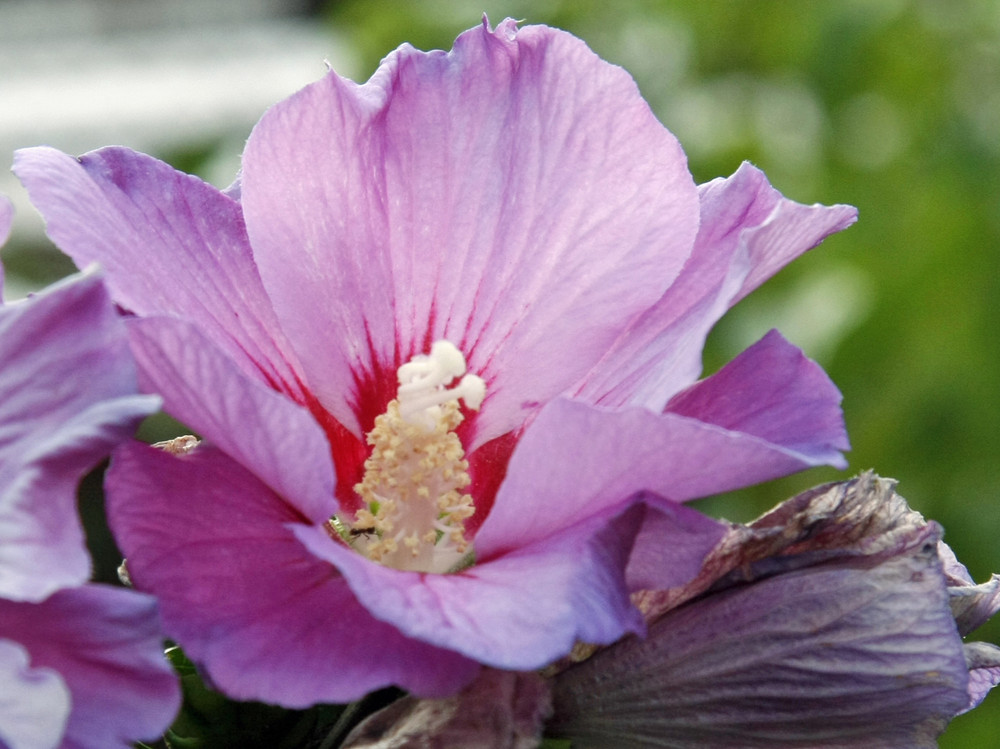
(441, 343)
(498, 710)
(835, 620)
(80, 665)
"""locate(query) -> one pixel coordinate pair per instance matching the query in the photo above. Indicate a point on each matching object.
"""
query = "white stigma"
(423, 385)
(414, 506)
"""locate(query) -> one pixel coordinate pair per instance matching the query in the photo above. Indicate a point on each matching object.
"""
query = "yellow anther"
(413, 505)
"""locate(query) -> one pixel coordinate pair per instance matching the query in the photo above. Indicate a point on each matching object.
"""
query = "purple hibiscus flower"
(835, 620)
(80, 665)
(439, 339)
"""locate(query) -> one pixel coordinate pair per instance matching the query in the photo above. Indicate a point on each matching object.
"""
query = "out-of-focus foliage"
(891, 105)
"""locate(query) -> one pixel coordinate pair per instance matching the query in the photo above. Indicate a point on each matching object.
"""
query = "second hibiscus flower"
(441, 343)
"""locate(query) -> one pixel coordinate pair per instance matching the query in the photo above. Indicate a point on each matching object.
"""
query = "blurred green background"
(890, 105)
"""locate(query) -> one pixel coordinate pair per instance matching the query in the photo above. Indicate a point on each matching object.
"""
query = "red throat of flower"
(414, 504)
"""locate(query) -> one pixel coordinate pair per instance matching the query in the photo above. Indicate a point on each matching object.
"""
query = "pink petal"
(170, 244)
(519, 611)
(983, 662)
(265, 618)
(276, 439)
(671, 546)
(789, 229)
(34, 703)
(106, 646)
(515, 196)
(773, 392)
(971, 604)
(576, 461)
(6, 217)
(66, 399)
(748, 232)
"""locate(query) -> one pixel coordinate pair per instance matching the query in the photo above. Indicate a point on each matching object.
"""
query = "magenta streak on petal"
(487, 463)
(487, 469)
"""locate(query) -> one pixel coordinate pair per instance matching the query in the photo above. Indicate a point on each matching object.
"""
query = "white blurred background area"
(174, 78)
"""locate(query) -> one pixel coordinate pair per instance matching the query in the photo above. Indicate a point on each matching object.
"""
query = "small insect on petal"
(179, 445)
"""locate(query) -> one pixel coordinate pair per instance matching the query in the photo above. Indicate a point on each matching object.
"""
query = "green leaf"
(210, 720)
(555, 744)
